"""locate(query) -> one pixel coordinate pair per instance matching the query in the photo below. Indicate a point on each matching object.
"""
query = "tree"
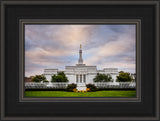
(124, 77)
(38, 78)
(103, 78)
(31, 77)
(61, 73)
(60, 77)
(53, 78)
(45, 81)
(121, 72)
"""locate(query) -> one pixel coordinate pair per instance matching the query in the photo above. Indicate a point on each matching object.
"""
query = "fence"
(62, 85)
(131, 85)
(37, 85)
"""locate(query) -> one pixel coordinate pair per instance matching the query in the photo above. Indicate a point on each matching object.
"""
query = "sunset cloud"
(55, 46)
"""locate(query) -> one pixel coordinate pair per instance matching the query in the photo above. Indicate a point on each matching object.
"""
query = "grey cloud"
(54, 40)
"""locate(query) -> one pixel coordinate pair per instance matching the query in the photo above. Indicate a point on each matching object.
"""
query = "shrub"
(39, 78)
(91, 87)
(45, 81)
(88, 89)
(74, 90)
(70, 87)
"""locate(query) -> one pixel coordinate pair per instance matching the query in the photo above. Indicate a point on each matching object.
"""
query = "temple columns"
(80, 78)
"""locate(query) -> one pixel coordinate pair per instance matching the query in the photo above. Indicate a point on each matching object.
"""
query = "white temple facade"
(81, 74)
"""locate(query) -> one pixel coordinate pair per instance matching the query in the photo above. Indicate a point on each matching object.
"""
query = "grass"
(114, 93)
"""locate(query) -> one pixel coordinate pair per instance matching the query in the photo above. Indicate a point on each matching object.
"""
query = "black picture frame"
(14, 108)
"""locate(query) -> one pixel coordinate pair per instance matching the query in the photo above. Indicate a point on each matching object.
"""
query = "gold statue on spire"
(80, 46)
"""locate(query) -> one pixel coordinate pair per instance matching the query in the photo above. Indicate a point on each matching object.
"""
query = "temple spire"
(80, 60)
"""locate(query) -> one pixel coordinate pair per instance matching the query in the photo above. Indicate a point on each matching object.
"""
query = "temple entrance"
(80, 78)
(81, 81)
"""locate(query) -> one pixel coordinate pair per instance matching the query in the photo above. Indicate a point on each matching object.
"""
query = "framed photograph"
(101, 36)
(79, 60)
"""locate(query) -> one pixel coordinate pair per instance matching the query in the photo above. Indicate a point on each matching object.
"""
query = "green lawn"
(114, 93)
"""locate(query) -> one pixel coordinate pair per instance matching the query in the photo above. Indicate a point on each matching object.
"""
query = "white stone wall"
(114, 76)
(71, 78)
(90, 78)
(49, 72)
(112, 71)
(48, 77)
(89, 71)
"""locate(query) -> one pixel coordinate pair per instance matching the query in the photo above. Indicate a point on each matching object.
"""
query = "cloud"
(124, 46)
(55, 46)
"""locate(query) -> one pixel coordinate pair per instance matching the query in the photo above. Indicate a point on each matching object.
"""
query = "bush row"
(72, 86)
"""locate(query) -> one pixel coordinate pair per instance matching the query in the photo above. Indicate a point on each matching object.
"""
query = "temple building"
(81, 73)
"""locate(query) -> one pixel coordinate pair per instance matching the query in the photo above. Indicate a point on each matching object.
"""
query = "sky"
(57, 46)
